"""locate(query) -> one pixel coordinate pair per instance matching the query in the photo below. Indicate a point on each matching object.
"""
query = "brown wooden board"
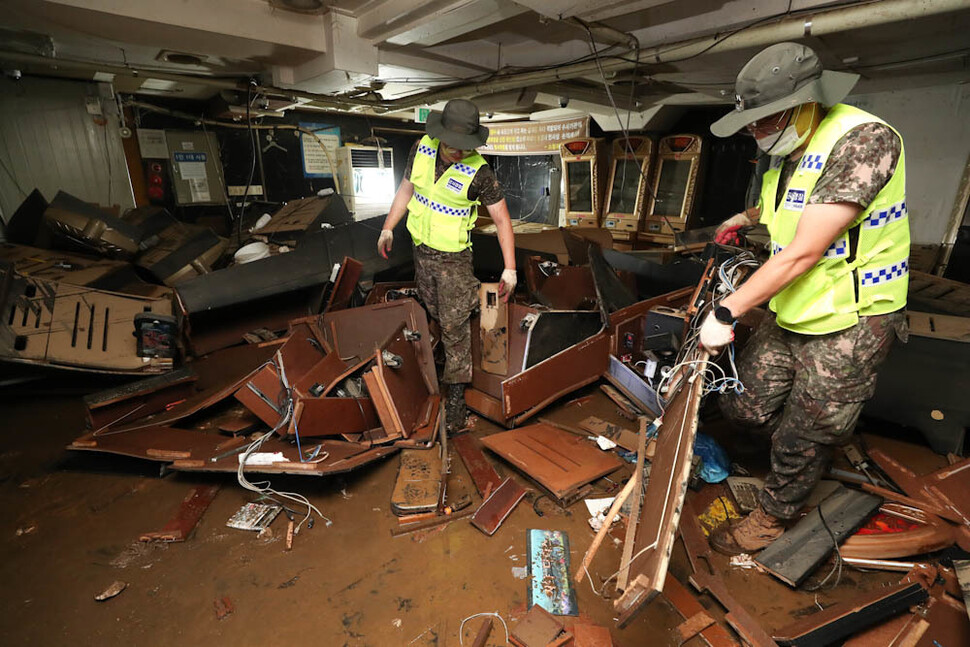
(469, 448)
(497, 507)
(344, 285)
(314, 417)
(139, 398)
(947, 487)
(57, 265)
(193, 506)
(560, 461)
(625, 438)
(663, 499)
(689, 607)
(356, 333)
(324, 373)
(636, 506)
(537, 628)
(407, 394)
(564, 288)
(418, 484)
(219, 376)
(493, 330)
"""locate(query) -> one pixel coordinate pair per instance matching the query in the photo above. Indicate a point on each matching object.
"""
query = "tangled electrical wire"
(286, 413)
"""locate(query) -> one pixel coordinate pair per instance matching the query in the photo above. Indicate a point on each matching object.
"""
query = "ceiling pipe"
(792, 27)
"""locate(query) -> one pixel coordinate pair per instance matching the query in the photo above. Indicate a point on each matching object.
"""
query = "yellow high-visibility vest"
(846, 283)
(440, 215)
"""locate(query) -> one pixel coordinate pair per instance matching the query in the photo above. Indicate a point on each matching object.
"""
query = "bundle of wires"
(263, 487)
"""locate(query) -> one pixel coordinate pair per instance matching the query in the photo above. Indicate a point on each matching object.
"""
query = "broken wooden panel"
(266, 392)
(841, 620)
(182, 251)
(139, 398)
(298, 217)
(936, 294)
(538, 627)
(705, 579)
(356, 333)
(689, 607)
(529, 391)
(332, 416)
(219, 376)
(58, 324)
(423, 437)
(400, 384)
(625, 438)
(558, 286)
(493, 330)
(560, 461)
(321, 377)
(197, 451)
(799, 551)
(611, 292)
(190, 511)
(946, 487)
(57, 265)
(663, 499)
(91, 226)
(483, 475)
(498, 506)
(344, 285)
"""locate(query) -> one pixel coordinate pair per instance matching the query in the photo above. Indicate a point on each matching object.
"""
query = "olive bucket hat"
(780, 77)
(457, 125)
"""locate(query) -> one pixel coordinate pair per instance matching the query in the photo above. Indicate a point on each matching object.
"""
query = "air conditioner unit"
(366, 176)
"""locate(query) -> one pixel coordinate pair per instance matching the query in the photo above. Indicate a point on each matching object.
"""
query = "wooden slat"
(688, 606)
(493, 330)
(190, 511)
(490, 515)
(484, 476)
(663, 499)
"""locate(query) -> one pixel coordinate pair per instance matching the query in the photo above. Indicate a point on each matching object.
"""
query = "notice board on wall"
(533, 137)
(196, 167)
(316, 162)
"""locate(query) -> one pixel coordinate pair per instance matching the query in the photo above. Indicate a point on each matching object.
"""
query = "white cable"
(461, 640)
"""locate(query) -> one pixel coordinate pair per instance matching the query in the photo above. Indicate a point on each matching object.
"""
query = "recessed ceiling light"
(303, 6)
(179, 58)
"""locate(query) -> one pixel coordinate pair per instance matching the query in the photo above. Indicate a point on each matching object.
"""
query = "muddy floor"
(71, 523)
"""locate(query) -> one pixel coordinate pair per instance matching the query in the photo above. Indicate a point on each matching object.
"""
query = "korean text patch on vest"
(885, 216)
(455, 185)
(884, 274)
(795, 200)
(812, 162)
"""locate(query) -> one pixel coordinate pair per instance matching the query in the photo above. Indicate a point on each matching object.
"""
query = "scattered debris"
(223, 607)
(116, 587)
(254, 516)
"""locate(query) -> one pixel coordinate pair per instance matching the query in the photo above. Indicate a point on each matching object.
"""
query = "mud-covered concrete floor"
(70, 525)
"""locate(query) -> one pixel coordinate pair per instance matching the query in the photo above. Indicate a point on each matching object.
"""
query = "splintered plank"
(498, 506)
(560, 461)
(798, 552)
(484, 476)
(689, 607)
(344, 285)
(494, 330)
(663, 499)
(187, 517)
(945, 488)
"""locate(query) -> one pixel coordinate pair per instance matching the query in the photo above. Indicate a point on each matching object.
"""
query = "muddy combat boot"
(748, 535)
(455, 411)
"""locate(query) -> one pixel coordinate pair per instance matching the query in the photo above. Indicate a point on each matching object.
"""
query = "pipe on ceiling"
(794, 27)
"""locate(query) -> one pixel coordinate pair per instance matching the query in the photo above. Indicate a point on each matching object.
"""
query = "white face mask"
(788, 140)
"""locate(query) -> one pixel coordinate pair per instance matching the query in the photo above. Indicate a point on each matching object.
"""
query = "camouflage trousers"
(806, 392)
(449, 290)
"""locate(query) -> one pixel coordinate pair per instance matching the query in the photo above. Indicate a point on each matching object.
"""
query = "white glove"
(507, 285)
(726, 232)
(715, 335)
(385, 241)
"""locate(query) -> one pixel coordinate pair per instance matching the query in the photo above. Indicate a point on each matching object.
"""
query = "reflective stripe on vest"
(833, 294)
(440, 215)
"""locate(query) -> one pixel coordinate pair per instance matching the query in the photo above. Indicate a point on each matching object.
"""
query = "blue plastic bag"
(715, 464)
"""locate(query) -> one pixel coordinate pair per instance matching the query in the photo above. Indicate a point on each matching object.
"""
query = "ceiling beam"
(394, 17)
(460, 21)
(588, 9)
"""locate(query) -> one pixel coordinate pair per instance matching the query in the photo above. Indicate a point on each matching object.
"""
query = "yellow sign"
(533, 137)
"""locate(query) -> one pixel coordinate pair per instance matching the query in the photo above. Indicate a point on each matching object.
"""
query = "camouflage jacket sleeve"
(485, 187)
(861, 163)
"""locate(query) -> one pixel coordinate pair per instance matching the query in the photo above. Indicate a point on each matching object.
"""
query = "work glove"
(385, 241)
(727, 232)
(715, 334)
(507, 285)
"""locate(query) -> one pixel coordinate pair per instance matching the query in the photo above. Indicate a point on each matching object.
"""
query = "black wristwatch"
(724, 315)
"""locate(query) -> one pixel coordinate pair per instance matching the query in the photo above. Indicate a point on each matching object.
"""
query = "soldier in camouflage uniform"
(805, 388)
(443, 262)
